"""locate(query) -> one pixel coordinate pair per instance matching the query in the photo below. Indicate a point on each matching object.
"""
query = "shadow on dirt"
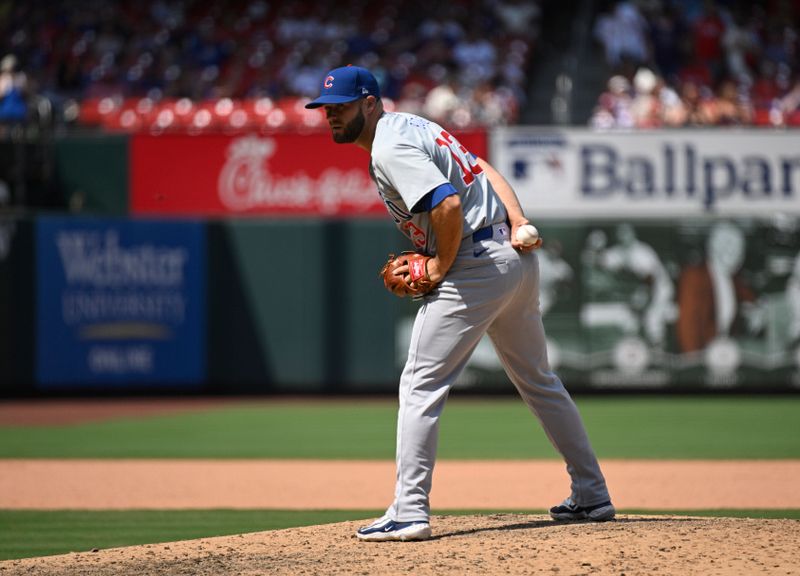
(547, 523)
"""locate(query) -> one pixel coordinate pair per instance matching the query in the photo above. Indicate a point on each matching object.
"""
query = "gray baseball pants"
(492, 289)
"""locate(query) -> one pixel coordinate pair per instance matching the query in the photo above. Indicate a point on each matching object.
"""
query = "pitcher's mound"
(483, 544)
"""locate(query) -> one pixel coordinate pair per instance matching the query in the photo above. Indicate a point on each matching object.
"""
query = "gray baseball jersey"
(490, 289)
(410, 157)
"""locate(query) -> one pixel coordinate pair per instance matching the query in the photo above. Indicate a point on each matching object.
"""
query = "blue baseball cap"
(346, 84)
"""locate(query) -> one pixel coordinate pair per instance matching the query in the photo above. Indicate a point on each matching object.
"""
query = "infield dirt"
(487, 544)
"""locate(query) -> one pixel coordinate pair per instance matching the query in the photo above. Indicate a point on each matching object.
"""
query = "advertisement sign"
(119, 302)
(578, 172)
(280, 174)
(651, 304)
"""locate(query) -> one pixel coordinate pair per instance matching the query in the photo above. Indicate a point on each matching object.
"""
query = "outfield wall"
(671, 261)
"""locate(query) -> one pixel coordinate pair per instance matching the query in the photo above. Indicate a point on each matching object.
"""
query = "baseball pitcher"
(472, 276)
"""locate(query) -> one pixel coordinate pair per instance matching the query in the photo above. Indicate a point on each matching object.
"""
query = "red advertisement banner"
(250, 174)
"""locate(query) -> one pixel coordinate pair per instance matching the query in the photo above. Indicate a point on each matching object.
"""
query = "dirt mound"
(487, 544)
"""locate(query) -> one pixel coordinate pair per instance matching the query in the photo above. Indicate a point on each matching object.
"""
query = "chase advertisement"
(690, 173)
(658, 304)
(120, 302)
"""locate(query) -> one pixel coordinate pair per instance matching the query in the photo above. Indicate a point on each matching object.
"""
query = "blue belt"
(483, 234)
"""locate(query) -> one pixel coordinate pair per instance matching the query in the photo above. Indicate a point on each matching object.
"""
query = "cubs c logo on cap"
(346, 84)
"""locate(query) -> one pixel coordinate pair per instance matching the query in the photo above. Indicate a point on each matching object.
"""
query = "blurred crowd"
(699, 63)
(462, 62)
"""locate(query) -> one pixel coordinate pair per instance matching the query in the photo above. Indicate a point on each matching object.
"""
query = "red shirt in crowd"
(708, 31)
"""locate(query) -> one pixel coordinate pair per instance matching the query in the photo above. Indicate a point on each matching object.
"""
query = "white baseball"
(527, 234)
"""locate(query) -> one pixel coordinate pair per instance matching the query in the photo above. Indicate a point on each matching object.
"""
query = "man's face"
(346, 121)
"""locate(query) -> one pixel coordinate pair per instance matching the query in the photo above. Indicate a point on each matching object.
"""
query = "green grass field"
(27, 533)
(620, 427)
(740, 427)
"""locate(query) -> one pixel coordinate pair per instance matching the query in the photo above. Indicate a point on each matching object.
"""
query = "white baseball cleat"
(385, 529)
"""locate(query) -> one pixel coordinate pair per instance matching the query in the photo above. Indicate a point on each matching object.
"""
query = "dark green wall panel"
(299, 305)
(92, 173)
(267, 299)
(369, 326)
(16, 305)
